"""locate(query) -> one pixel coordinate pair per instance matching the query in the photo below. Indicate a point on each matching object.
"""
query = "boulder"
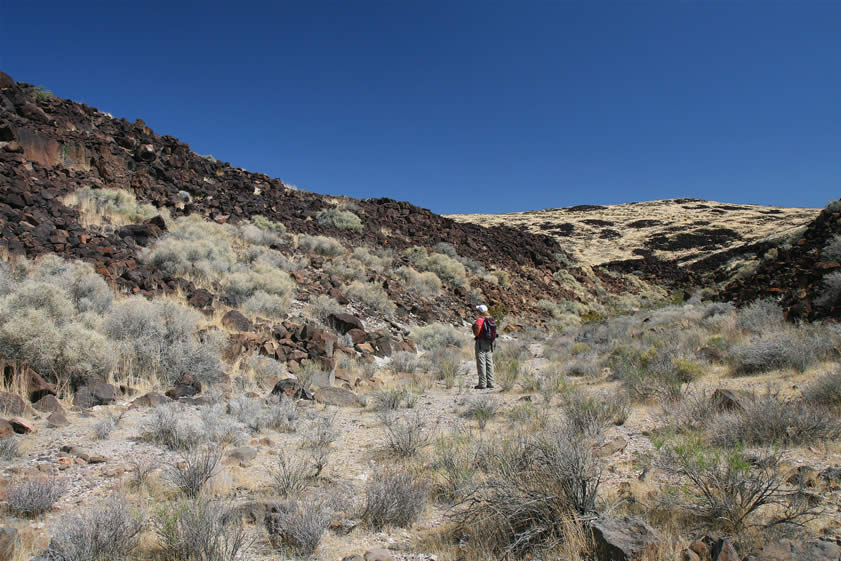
(57, 419)
(243, 453)
(339, 397)
(290, 387)
(6, 81)
(201, 299)
(151, 399)
(20, 426)
(344, 322)
(142, 234)
(47, 404)
(12, 404)
(622, 539)
(181, 390)
(357, 336)
(235, 321)
(98, 393)
(728, 400)
(789, 550)
(10, 542)
(145, 153)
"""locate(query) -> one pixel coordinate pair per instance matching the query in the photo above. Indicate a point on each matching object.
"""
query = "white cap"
(482, 308)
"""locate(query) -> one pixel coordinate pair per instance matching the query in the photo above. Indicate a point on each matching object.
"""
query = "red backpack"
(488, 332)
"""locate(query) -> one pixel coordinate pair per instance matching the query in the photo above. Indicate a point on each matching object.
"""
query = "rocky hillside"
(51, 147)
(678, 230)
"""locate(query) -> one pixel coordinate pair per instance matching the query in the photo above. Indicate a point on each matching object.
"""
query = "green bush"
(379, 261)
(339, 218)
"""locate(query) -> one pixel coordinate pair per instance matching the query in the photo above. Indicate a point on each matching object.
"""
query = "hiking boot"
(478, 387)
(490, 386)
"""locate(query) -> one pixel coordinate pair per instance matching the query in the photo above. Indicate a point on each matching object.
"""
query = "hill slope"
(680, 230)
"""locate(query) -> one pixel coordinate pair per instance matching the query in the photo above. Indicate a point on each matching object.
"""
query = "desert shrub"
(792, 348)
(34, 496)
(109, 530)
(394, 498)
(405, 361)
(425, 285)
(216, 426)
(379, 261)
(482, 408)
(590, 415)
(444, 363)
(550, 308)
(372, 295)
(265, 367)
(155, 340)
(259, 278)
(766, 420)
(689, 412)
(104, 427)
(62, 352)
(298, 525)
(9, 448)
(165, 426)
(248, 411)
(825, 391)
(319, 437)
(447, 268)
(500, 277)
(281, 416)
(194, 248)
(391, 399)
(438, 335)
(115, 205)
(200, 529)
(760, 316)
(716, 309)
(724, 490)
(405, 436)
(532, 485)
(39, 296)
(648, 373)
(472, 265)
(583, 365)
(263, 231)
(346, 269)
(455, 465)
(831, 292)
(87, 291)
(832, 250)
(322, 306)
(291, 476)
(321, 245)
(194, 469)
(266, 305)
(339, 218)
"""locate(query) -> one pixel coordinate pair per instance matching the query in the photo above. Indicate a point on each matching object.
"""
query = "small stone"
(20, 426)
(243, 454)
(622, 539)
(723, 550)
(354, 557)
(339, 397)
(57, 419)
(47, 404)
(378, 555)
(9, 543)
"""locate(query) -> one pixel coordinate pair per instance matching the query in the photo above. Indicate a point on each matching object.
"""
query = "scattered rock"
(235, 321)
(611, 447)
(354, 557)
(622, 539)
(803, 476)
(344, 323)
(290, 387)
(36, 386)
(84, 455)
(339, 397)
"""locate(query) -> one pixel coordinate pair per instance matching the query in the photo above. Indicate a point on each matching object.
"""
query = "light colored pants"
(484, 362)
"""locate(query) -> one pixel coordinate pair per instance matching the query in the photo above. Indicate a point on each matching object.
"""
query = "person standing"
(484, 332)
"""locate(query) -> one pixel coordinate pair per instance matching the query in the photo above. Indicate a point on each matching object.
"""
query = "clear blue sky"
(464, 106)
